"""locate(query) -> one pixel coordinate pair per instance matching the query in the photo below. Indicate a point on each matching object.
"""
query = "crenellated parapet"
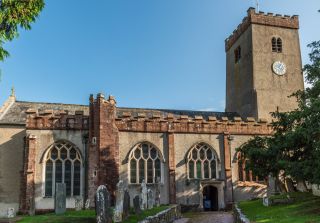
(56, 120)
(269, 19)
(187, 124)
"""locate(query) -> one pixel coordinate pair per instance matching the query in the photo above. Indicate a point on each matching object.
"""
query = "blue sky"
(147, 53)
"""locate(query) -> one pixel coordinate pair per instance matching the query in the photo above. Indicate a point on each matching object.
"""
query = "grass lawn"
(305, 209)
(87, 216)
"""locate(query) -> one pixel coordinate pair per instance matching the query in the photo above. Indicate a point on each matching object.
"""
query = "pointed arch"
(202, 162)
(47, 150)
(145, 162)
(63, 163)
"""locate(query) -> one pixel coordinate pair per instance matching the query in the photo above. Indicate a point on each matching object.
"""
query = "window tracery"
(63, 164)
(145, 163)
(202, 162)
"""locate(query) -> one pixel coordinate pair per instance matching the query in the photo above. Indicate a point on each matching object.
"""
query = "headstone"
(150, 199)
(118, 212)
(126, 204)
(272, 186)
(266, 201)
(32, 210)
(102, 203)
(157, 192)
(289, 185)
(78, 204)
(302, 186)
(136, 205)
(87, 204)
(144, 196)
(60, 198)
(11, 213)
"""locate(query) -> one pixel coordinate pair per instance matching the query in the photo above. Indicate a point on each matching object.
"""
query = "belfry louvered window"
(237, 54)
(145, 163)
(63, 164)
(276, 45)
(202, 162)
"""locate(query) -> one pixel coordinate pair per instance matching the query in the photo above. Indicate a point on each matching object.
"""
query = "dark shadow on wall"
(11, 163)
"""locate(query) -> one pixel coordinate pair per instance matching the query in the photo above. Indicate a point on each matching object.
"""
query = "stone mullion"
(72, 176)
(53, 178)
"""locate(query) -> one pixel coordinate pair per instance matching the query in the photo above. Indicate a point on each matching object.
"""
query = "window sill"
(68, 197)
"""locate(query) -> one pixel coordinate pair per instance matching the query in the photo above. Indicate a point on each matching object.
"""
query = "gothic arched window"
(145, 163)
(63, 164)
(202, 162)
(276, 45)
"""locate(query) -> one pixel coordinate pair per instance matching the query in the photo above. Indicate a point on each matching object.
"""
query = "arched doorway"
(210, 198)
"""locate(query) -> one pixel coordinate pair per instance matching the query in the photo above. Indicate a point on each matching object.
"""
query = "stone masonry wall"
(11, 158)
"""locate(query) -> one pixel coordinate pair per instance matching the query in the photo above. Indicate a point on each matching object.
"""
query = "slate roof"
(16, 113)
(164, 112)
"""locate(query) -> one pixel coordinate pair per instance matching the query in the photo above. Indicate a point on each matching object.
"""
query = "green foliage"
(15, 14)
(304, 209)
(295, 145)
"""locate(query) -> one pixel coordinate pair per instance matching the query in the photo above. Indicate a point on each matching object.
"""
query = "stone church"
(191, 153)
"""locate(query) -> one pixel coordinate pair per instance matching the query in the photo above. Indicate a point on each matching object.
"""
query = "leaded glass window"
(145, 163)
(202, 162)
(63, 164)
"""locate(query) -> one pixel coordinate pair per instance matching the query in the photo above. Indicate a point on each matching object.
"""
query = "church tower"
(263, 65)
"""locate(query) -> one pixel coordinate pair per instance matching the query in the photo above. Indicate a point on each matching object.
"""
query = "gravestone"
(136, 205)
(102, 203)
(150, 199)
(289, 185)
(11, 213)
(78, 204)
(144, 196)
(126, 204)
(60, 198)
(266, 201)
(272, 186)
(118, 212)
(87, 204)
(32, 210)
(157, 192)
(301, 186)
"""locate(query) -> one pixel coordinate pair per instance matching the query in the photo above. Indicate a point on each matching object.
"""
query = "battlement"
(268, 19)
(56, 120)
(187, 124)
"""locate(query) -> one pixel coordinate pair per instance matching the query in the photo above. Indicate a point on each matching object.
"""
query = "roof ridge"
(50, 103)
(187, 110)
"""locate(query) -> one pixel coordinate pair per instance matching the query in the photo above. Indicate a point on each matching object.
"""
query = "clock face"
(279, 68)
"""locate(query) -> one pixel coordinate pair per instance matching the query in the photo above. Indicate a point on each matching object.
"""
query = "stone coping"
(239, 216)
(167, 216)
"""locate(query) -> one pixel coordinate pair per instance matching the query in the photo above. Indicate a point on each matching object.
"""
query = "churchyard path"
(209, 217)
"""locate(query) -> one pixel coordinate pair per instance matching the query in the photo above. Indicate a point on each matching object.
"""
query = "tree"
(15, 14)
(295, 146)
